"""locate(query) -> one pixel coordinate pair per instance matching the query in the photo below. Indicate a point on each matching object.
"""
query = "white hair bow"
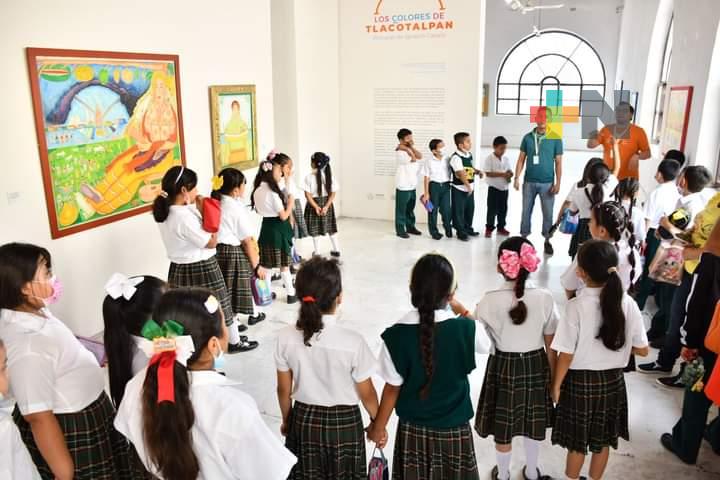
(120, 285)
(183, 345)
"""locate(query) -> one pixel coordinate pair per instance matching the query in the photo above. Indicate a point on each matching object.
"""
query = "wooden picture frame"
(676, 118)
(233, 120)
(109, 125)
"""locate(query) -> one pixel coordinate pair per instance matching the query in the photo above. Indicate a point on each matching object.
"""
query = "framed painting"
(676, 118)
(234, 126)
(109, 125)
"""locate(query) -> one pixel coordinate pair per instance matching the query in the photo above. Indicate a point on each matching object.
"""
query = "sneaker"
(292, 299)
(242, 327)
(653, 367)
(488, 232)
(437, 236)
(503, 232)
(549, 248)
(275, 277)
(473, 233)
(671, 382)
(293, 270)
(448, 233)
(414, 231)
(244, 345)
(706, 436)
(463, 237)
(256, 319)
(274, 296)
(666, 441)
(403, 235)
(335, 254)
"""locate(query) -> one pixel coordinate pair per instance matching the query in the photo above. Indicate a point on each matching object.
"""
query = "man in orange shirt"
(623, 140)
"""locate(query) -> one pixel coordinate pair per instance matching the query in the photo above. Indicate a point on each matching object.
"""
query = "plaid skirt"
(593, 411)
(434, 453)
(581, 235)
(96, 448)
(317, 225)
(300, 229)
(515, 399)
(273, 257)
(203, 274)
(329, 442)
(237, 272)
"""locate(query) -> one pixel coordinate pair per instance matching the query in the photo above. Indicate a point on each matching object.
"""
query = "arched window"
(662, 85)
(548, 60)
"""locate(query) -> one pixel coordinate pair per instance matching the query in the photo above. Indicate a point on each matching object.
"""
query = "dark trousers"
(440, 198)
(670, 352)
(647, 284)
(463, 208)
(497, 202)
(404, 210)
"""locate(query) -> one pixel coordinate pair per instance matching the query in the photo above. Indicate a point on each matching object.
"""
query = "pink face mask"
(57, 290)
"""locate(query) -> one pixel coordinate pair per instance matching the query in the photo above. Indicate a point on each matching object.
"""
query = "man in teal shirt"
(542, 175)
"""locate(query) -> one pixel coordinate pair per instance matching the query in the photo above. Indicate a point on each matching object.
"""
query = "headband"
(182, 170)
(511, 262)
(166, 345)
(121, 286)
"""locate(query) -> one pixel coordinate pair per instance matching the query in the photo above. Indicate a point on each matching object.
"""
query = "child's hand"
(517, 184)
(261, 273)
(324, 210)
(318, 210)
(283, 429)
(377, 435)
(509, 174)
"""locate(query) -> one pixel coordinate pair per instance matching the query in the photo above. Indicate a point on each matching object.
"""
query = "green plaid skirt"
(237, 272)
(98, 451)
(272, 257)
(515, 399)
(434, 453)
(593, 411)
(300, 229)
(317, 225)
(329, 442)
(203, 274)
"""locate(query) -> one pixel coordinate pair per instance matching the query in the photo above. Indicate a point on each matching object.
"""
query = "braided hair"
(321, 163)
(431, 283)
(265, 174)
(597, 177)
(614, 219)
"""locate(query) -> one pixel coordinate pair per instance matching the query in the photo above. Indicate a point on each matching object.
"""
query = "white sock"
(335, 242)
(287, 281)
(532, 451)
(233, 333)
(315, 245)
(503, 463)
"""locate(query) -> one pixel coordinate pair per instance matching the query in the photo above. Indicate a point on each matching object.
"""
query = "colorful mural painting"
(109, 125)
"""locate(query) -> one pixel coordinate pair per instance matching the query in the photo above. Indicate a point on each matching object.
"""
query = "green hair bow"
(169, 329)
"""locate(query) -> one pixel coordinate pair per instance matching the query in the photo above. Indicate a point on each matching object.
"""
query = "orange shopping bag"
(712, 389)
(712, 339)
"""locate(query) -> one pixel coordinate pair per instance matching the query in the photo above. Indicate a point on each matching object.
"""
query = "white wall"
(594, 20)
(228, 43)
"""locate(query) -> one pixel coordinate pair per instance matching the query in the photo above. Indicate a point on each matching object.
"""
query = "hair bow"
(120, 285)
(511, 262)
(217, 182)
(272, 154)
(165, 345)
(212, 304)
(266, 166)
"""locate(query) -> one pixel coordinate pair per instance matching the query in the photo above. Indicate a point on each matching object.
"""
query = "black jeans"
(670, 352)
(497, 203)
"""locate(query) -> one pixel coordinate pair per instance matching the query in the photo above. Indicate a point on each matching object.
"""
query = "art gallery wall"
(226, 43)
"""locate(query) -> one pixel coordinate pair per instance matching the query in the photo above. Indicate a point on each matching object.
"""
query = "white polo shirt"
(437, 169)
(230, 438)
(406, 176)
(577, 333)
(493, 312)
(183, 235)
(695, 203)
(267, 202)
(49, 368)
(15, 461)
(235, 223)
(579, 198)
(661, 202)
(325, 374)
(497, 165)
(310, 184)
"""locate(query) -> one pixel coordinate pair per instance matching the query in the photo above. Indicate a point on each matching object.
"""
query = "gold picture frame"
(233, 120)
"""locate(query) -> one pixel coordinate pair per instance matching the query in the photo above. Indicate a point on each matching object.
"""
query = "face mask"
(56, 291)
(219, 361)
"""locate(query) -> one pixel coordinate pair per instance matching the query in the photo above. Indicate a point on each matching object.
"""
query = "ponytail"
(613, 217)
(427, 343)
(318, 284)
(265, 174)
(518, 314)
(517, 258)
(172, 184)
(321, 162)
(597, 176)
(231, 178)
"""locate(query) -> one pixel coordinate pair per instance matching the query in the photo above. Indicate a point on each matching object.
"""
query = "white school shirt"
(140, 359)
(493, 312)
(387, 370)
(660, 203)
(49, 368)
(497, 165)
(577, 333)
(267, 202)
(310, 185)
(694, 203)
(457, 165)
(570, 281)
(230, 438)
(235, 224)
(638, 221)
(183, 235)
(579, 198)
(437, 169)
(406, 176)
(15, 461)
(325, 374)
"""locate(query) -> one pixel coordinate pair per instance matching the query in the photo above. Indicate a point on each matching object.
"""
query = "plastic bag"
(569, 222)
(378, 468)
(667, 265)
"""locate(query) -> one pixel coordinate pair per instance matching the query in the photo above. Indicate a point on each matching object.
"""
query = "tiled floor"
(376, 266)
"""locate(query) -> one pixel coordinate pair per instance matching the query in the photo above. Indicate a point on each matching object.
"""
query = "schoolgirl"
(608, 222)
(601, 328)
(190, 249)
(425, 359)
(237, 254)
(62, 412)
(626, 194)
(599, 188)
(326, 369)
(575, 186)
(185, 420)
(297, 220)
(320, 190)
(129, 303)
(276, 233)
(515, 398)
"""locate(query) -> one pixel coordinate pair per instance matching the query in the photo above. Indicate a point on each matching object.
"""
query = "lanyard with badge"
(536, 155)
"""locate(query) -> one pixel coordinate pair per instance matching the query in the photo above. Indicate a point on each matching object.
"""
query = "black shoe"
(275, 277)
(437, 236)
(540, 476)
(245, 345)
(448, 233)
(653, 367)
(242, 327)
(494, 473)
(658, 342)
(706, 436)
(293, 270)
(414, 231)
(292, 299)
(256, 319)
(548, 248)
(671, 382)
(403, 235)
(274, 296)
(666, 441)
(463, 238)
(335, 254)
(473, 233)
